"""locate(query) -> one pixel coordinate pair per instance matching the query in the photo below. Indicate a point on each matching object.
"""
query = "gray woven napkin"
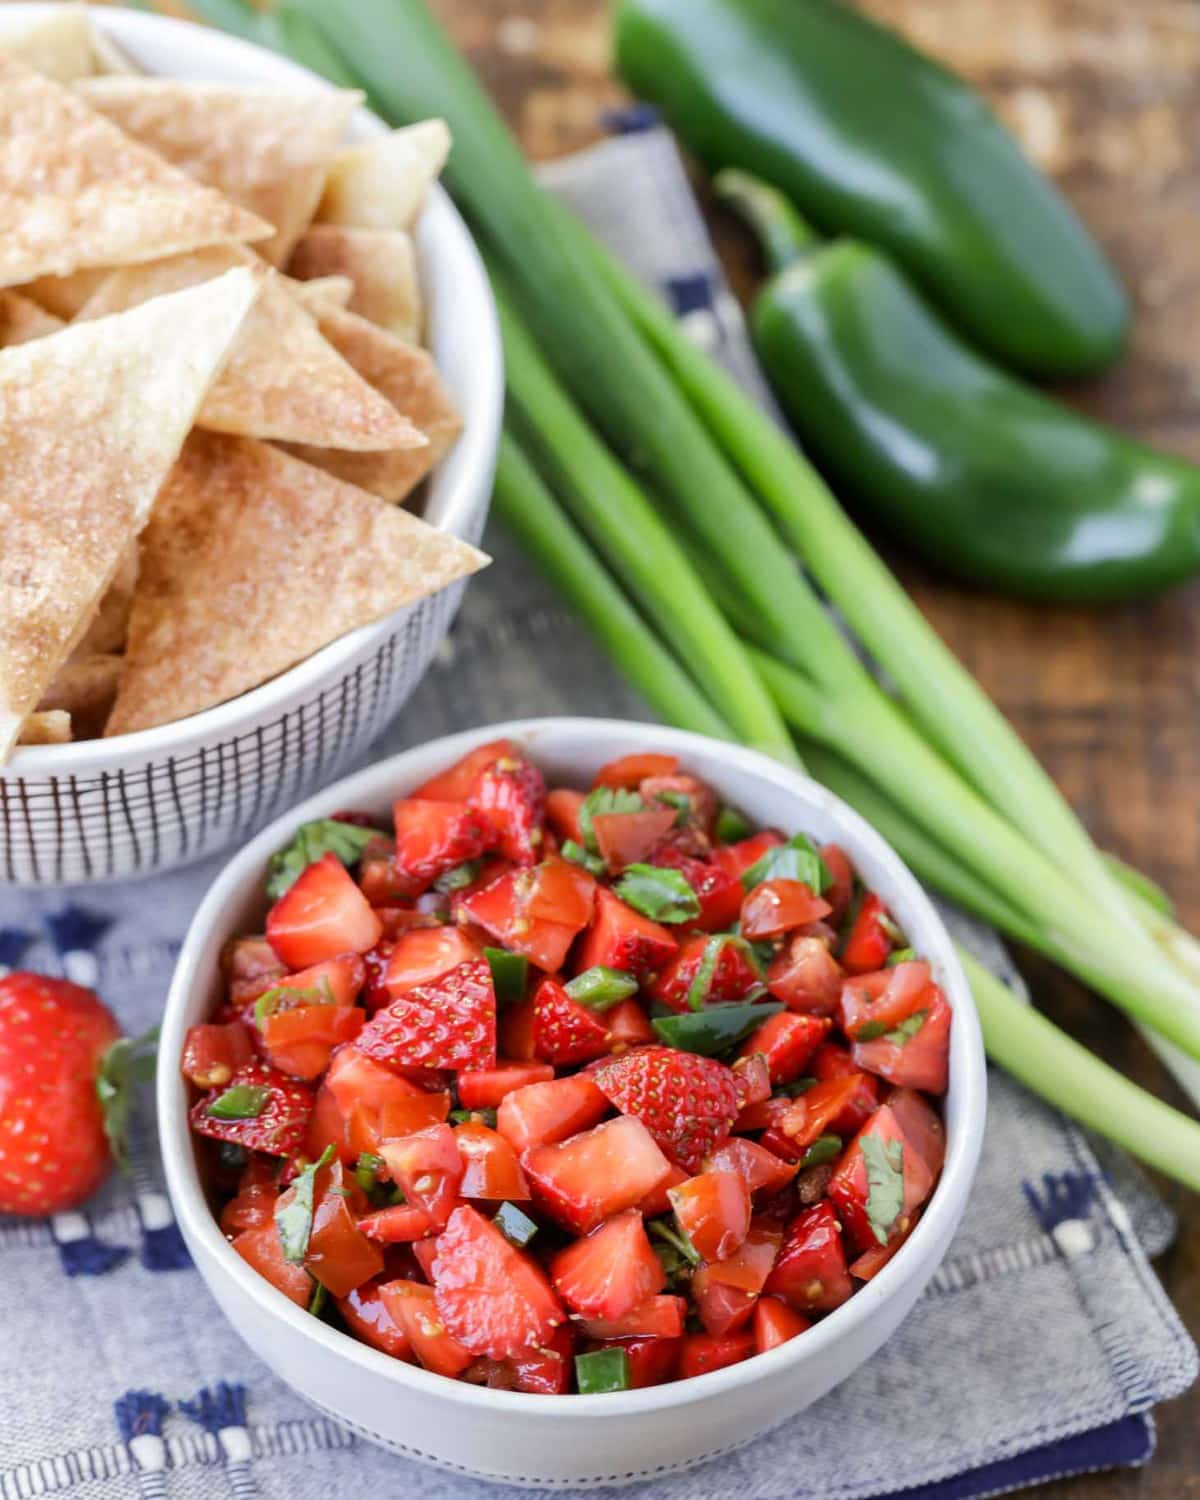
(1040, 1348)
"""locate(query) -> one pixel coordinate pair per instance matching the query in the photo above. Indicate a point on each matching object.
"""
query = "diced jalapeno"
(714, 1030)
(600, 987)
(514, 1224)
(602, 1370)
(509, 973)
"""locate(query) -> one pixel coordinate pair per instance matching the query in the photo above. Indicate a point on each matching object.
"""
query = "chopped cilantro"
(294, 1219)
(824, 1149)
(682, 804)
(603, 800)
(310, 841)
(660, 893)
(284, 997)
(885, 1183)
(798, 859)
(459, 877)
(578, 855)
(731, 827)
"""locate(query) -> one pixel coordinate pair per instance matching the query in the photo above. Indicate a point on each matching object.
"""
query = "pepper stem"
(785, 236)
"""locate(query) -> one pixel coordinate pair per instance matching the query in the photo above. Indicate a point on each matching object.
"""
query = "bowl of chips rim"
(142, 803)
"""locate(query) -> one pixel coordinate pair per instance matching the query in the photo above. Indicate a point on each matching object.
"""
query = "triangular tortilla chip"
(321, 292)
(75, 192)
(91, 420)
(53, 727)
(283, 379)
(110, 59)
(106, 629)
(22, 319)
(64, 296)
(408, 377)
(268, 149)
(381, 263)
(85, 689)
(251, 562)
(60, 46)
(382, 184)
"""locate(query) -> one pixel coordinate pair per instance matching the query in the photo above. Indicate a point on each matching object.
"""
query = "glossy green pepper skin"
(992, 480)
(869, 137)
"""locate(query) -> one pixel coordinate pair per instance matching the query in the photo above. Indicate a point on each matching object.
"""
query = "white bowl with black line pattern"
(144, 803)
(569, 1442)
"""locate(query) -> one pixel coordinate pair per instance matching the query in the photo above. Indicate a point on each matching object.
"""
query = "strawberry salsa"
(563, 1091)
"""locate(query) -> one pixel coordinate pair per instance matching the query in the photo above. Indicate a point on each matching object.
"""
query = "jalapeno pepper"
(868, 136)
(991, 479)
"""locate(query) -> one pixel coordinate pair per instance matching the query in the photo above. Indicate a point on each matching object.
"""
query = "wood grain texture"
(1106, 96)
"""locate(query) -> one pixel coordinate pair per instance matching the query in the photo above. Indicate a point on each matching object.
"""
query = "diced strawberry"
(810, 1269)
(622, 938)
(736, 859)
(366, 1315)
(763, 1172)
(397, 920)
(652, 1361)
(493, 1298)
(628, 1026)
(250, 966)
(501, 908)
(787, 1041)
(850, 1188)
(610, 1271)
(658, 1200)
(327, 1126)
(399, 1225)
(213, 1054)
(719, 893)
(254, 1203)
(734, 973)
(628, 838)
(779, 906)
(379, 879)
(562, 813)
(432, 837)
(322, 914)
(775, 1323)
(869, 943)
(839, 894)
(922, 1061)
(427, 1167)
(565, 1032)
(414, 1311)
(487, 1087)
(458, 782)
(701, 807)
(659, 1317)
(447, 1023)
(629, 771)
(511, 795)
(514, 1031)
(424, 1253)
(263, 1249)
(425, 954)
(806, 976)
(561, 892)
(687, 1102)
(542, 1114)
(375, 992)
(589, 1177)
(339, 1255)
(299, 1041)
(335, 981)
(358, 1080)
(833, 1061)
(713, 1210)
(701, 1353)
(546, 1371)
(281, 1120)
(491, 1168)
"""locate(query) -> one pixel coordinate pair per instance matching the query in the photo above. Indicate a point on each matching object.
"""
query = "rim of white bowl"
(970, 1075)
(473, 456)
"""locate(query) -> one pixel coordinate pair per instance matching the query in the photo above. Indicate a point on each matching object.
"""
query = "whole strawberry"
(688, 1103)
(63, 1100)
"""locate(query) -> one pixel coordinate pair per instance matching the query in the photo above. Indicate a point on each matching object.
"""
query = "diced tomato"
(501, 908)
(396, 920)
(432, 837)
(734, 973)
(921, 1061)
(839, 894)
(922, 1126)
(250, 966)
(425, 954)
(355, 1079)
(788, 1041)
(762, 1171)
(213, 1054)
(493, 1298)
(775, 1323)
(628, 1026)
(713, 1210)
(737, 858)
(565, 1032)
(427, 1167)
(484, 1088)
(610, 1271)
(514, 1031)
(880, 1001)
(629, 771)
(327, 1126)
(752, 1079)
(366, 1315)
(561, 892)
(299, 1042)
(263, 1249)
(511, 795)
(850, 1186)
(562, 813)
(869, 943)
(779, 906)
(397, 1118)
(546, 1371)
(457, 783)
(542, 1114)
(628, 838)
(339, 1255)
(321, 915)
(379, 879)
(701, 1353)
(806, 976)
(810, 1269)
(588, 1178)
(400, 1225)
(414, 1311)
(821, 1107)
(491, 1168)
(622, 938)
(659, 1317)
(701, 807)
(720, 1307)
(652, 1361)
(719, 893)
(254, 1204)
(338, 981)
(833, 1061)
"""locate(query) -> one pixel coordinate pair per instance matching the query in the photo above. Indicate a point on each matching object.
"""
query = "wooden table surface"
(1106, 96)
